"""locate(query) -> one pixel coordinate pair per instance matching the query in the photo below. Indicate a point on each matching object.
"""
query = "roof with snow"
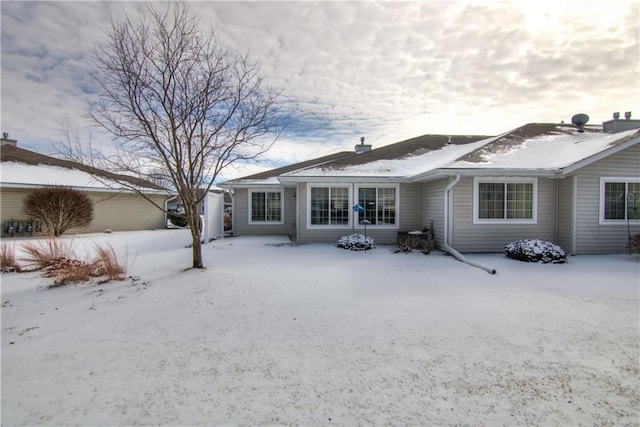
(532, 148)
(24, 168)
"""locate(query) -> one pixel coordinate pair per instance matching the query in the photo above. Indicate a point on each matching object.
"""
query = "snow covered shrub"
(534, 250)
(355, 242)
(634, 244)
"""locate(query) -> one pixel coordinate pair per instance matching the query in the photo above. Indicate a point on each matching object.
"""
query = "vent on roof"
(617, 125)
(7, 141)
(362, 148)
(580, 120)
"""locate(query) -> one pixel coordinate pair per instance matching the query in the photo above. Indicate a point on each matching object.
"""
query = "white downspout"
(445, 245)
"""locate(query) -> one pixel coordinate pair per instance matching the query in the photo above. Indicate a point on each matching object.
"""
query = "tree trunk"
(193, 218)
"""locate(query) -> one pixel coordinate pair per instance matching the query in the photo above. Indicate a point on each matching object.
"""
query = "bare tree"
(180, 102)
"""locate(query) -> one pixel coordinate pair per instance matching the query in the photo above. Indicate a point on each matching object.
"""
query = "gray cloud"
(386, 70)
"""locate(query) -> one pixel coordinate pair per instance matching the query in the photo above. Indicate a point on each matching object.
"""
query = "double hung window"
(265, 206)
(505, 200)
(620, 199)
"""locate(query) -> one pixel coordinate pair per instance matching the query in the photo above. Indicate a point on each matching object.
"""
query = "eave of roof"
(10, 153)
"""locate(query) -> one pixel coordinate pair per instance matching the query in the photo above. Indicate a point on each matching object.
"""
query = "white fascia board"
(88, 189)
(448, 172)
(340, 179)
(601, 155)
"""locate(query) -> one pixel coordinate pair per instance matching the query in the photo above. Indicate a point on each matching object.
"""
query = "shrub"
(534, 250)
(57, 259)
(59, 208)
(8, 258)
(45, 253)
(634, 244)
(107, 264)
(355, 242)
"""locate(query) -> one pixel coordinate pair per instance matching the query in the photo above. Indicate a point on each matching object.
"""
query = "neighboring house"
(116, 206)
(545, 181)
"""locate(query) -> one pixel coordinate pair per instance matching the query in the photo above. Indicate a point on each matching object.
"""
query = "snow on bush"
(355, 242)
(535, 250)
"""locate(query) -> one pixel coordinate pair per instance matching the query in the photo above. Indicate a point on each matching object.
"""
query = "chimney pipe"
(616, 115)
(362, 140)
(627, 115)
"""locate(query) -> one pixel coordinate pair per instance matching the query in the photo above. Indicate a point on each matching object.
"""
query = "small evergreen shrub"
(535, 250)
(355, 242)
(634, 244)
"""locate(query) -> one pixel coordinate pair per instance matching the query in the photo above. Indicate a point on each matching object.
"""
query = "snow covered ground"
(277, 334)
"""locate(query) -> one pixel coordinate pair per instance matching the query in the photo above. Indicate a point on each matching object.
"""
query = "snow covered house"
(116, 206)
(579, 188)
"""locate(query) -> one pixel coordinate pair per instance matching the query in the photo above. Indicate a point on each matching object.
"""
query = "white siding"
(593, 237)
(241, 226)
(432, 207)
(469, 237)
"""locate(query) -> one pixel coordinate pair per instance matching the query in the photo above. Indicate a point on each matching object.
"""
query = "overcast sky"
(387, 71)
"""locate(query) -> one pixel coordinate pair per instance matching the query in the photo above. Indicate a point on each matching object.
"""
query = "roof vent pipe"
(627, 115)
(616, 115)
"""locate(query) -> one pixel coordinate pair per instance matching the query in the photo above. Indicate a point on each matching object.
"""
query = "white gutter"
(445, 245)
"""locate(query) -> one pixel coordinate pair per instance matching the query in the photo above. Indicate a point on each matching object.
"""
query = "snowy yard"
(272, 333)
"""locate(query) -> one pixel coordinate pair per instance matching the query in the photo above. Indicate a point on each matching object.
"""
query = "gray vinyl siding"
(115, 212)
(565, 214)
(241, 226)
(408, 219)
(593, 237)
(432, 207)
(469, 237)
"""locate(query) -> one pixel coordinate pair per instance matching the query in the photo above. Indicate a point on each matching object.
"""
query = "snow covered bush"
(355, 242)
(634, 244)
(535, 250)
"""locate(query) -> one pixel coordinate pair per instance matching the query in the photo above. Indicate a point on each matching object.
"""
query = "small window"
(329, 206)
(620, 199)
(380, 205)
(265, 207)
(505, 200)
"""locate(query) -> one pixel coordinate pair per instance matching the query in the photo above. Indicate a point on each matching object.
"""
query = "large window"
(379, 205)
(505, 200)
(620, 199)
(265, 207)
(329, 206)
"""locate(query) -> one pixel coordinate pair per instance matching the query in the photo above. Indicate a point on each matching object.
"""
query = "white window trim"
(377, 226)
(604, 180)
(266, 190)
(504, 180)
(329, 185)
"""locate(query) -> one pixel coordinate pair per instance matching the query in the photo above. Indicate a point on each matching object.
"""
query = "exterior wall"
(593, 237)
(432, 207)
(469, 237)
(409, 219)
(565, 214)
(241, 226)
(117, 212)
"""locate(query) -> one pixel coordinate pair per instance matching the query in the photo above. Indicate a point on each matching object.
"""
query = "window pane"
(257, 206)
(367, 199)
(319, 206)
(273, 207)
(519, 200)
(490, 200)
(633, 200)
(386, 206)
(339, 206)
(614, 200)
